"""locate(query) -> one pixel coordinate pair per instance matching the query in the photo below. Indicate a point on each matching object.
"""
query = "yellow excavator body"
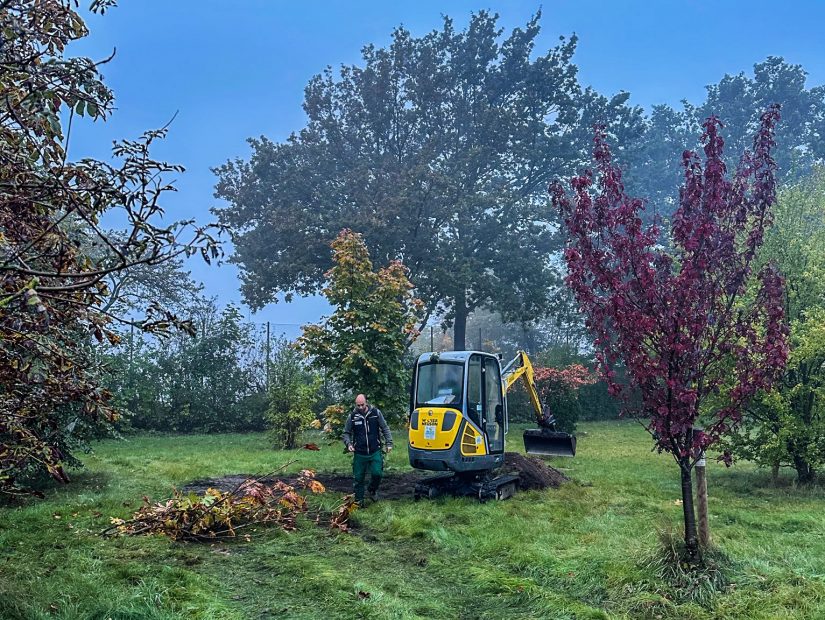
(459, 416)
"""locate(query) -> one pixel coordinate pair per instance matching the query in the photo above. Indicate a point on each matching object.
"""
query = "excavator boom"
(545, 440)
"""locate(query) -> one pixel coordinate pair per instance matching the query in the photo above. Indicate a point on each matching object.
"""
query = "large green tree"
(653, 162)
(213, 381)
(438, 149)
(786, 427)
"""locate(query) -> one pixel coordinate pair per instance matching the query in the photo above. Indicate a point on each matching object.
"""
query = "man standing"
(361, 436)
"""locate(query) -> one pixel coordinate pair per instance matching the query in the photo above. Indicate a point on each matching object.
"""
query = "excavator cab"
(458, 415)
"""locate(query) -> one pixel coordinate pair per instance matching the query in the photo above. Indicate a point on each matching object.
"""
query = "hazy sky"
(232, 70)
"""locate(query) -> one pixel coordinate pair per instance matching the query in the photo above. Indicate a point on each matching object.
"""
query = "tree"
(786, 426)
(52, 287)
(735, 100)
(361, 346)
(200, 383)
(167, 283)
(437, 150)
(558, 389)
(654, 168)
(675, 317)
(293, 393)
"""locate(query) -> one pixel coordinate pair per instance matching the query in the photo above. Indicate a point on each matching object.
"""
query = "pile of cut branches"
(218, 514)
(339, 519)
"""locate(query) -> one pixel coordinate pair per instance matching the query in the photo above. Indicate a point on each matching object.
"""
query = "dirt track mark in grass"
(534, 474)
(393, 486)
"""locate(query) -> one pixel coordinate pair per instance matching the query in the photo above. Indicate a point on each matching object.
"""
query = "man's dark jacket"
(362, 431)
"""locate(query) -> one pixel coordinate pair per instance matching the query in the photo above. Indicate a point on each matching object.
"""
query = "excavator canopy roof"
(450, 356)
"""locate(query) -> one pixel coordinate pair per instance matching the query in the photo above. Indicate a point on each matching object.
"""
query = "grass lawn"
(574, 552)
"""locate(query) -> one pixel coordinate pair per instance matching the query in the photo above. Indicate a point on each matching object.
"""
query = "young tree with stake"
(676, 315)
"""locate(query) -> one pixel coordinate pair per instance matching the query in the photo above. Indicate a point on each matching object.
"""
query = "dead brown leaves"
(219, 514)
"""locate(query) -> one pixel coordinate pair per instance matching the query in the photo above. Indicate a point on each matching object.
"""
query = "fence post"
(267, 356)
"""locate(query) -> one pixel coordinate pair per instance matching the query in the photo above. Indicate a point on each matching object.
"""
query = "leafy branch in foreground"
(55, 256)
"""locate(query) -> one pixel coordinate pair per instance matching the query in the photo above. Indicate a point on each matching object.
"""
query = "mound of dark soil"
(533, 472)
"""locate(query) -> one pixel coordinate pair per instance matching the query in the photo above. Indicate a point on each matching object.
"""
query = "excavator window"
(440, 383)
(474, 386)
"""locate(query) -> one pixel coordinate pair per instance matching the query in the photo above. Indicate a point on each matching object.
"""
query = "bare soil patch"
(533, 472)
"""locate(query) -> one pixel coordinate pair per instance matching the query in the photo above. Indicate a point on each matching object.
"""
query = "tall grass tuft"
(686, 582)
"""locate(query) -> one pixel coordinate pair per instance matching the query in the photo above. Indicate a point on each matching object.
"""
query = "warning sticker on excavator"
(429, 432)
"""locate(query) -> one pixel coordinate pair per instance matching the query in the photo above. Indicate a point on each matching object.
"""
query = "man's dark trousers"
(360, 464)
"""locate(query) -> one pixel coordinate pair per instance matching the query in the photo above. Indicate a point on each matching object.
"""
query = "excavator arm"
(545, 440)
(518, 368)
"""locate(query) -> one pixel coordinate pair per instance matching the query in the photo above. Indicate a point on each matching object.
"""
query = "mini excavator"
(459, 420)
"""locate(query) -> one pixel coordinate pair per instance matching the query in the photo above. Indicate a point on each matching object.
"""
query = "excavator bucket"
(545, 442)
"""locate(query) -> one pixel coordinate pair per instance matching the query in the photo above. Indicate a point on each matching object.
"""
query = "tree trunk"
(691, 537)
(460, 324)
(775, 473)
(805, 473)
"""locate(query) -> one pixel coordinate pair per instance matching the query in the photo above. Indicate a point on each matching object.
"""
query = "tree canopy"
(786, 426)
(361, 346)
(653, 161)
(437, 149)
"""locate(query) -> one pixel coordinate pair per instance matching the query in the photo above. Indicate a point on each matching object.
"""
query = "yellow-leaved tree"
(361, 345)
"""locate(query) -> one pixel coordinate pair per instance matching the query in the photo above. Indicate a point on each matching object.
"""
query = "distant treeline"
(222, 378)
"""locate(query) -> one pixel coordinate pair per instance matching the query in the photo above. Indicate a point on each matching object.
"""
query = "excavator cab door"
(494, 405)
(485, 402)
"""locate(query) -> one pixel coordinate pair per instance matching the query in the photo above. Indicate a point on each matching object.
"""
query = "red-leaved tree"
(570, 378)
(681, 317)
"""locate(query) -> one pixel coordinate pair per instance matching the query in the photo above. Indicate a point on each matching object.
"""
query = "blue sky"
(234, 70)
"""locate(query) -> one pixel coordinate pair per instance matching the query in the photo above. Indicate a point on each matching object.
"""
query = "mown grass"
(581, 551)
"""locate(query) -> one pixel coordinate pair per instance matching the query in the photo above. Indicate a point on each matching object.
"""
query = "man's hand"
(389, 449)
(351, 448)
